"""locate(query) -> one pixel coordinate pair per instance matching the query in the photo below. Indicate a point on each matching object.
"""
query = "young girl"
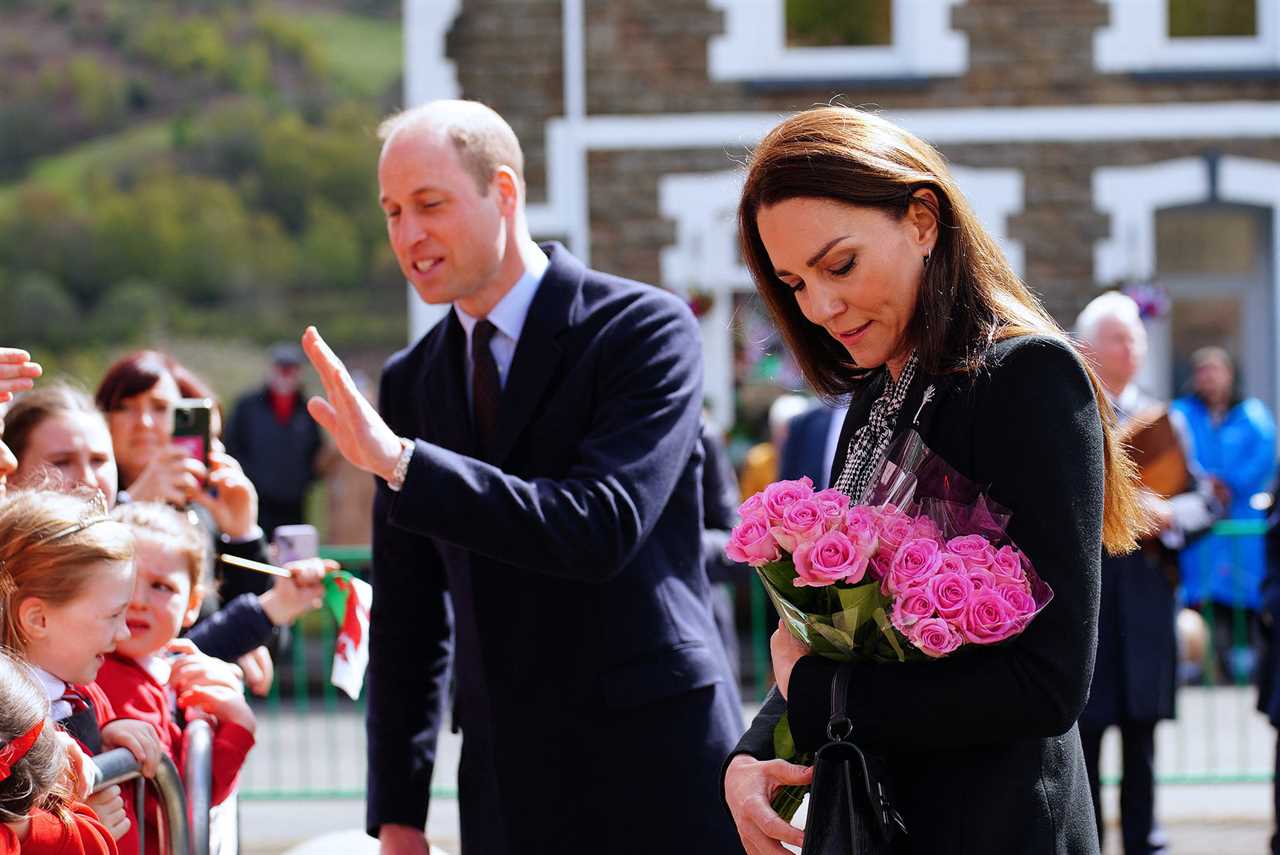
(57, 433)
(140, 679)
(40, 778)
(66, 577)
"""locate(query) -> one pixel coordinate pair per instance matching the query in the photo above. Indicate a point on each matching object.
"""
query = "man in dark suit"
(811, 443)
(539, 461)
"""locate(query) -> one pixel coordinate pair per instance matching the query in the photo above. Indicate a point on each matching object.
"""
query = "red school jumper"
(135, 693)
(47, 835)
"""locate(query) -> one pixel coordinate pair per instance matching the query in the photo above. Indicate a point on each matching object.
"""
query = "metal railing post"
(119, 765)
(197, 773)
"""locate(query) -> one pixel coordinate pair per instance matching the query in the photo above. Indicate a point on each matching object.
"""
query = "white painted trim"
(753, 46)
(429, 75)
(703, 207)
(1131, 195)
(1257, 182)
(1137, 39)
(1091, 123)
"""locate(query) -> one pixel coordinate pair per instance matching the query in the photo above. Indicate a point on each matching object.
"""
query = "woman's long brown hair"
(970, 297)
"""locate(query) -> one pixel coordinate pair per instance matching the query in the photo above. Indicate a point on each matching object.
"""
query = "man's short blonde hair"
(483, 139)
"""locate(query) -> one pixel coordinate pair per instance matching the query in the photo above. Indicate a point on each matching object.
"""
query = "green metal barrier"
(311, 742)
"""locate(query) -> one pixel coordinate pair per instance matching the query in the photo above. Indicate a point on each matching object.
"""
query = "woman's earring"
(926, 258)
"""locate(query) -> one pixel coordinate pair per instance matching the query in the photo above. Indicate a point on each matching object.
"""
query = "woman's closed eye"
(844, 268)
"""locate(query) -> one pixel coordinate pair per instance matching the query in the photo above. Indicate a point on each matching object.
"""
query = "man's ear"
(193, 608)
(509, 189)
(33, 618)
(923, 219)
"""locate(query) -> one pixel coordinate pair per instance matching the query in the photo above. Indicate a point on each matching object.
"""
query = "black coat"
(590, 686)
(1269, 666)
(982, 747)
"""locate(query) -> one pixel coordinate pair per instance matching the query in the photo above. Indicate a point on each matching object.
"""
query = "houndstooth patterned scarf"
(871, 441)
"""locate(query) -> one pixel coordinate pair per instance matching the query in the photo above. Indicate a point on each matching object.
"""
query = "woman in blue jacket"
(1234, 443)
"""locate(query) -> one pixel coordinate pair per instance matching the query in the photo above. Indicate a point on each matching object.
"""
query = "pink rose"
(925, 527)
(862, 527)
(989, 618)
(915, 561)
(949, 562)
(895, 529)
(834, 504)
(752, 543)
(780, 495)
(752, 507)
(975, 549)
(951, 592)
(935, 637)
(983, 579)
(1021, 601)
(914, 605)
(1008, 567)
(802, 520)
(833, 557)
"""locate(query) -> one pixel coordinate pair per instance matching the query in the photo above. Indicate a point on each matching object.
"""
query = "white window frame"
(754, 46)
(1137, 39)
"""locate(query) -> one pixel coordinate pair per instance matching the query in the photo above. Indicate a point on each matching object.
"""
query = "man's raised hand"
(357, 429)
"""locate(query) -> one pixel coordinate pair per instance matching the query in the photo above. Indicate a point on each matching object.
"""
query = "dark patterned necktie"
(486, 392)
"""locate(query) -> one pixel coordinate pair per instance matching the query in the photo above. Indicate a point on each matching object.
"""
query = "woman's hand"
(108, 804)
(786, 651)
(258, 670)
(141, 740)
(749, 784)
(235, 507)
(171, 476)
(17, 372)
(291, 598)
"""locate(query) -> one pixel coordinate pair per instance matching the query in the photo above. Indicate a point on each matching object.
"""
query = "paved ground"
(317, 750)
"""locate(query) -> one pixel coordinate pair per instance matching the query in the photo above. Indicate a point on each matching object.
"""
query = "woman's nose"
(8, 463)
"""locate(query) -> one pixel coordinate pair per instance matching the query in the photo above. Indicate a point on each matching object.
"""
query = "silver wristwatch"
(402, 465)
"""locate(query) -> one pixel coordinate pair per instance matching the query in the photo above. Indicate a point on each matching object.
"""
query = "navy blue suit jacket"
(805, 450)
(590, 684)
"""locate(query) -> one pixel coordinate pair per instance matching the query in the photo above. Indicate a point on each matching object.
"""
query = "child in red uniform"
(66, 576)
(41, 775)
(139, 677)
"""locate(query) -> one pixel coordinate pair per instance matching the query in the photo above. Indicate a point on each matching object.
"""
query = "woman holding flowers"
(887, 289)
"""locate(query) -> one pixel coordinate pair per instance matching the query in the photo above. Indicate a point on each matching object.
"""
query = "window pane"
(1196, 18)
(839, 23)
(1221, 240)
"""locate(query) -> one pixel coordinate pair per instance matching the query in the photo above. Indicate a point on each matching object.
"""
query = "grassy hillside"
(194, 169)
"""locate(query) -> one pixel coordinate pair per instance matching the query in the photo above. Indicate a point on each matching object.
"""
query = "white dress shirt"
(508, 316)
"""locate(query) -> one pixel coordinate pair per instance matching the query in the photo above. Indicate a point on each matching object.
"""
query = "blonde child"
(66, 577)
(42, 776)
(144, 681)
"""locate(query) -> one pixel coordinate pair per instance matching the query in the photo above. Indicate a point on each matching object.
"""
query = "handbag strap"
(840, 726)
(840, 729)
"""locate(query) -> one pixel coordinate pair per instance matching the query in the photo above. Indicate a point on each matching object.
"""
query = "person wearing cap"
(276, 440)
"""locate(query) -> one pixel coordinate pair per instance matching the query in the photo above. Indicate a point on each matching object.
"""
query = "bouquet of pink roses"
(921, 570)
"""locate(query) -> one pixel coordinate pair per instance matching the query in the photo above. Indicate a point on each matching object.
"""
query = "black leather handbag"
(849, 808)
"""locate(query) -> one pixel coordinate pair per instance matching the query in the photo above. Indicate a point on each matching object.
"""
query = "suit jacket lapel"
(538, 352)
(442, 408)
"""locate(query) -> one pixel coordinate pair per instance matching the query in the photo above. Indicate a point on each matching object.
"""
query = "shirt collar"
(54, 687)
(512, 310)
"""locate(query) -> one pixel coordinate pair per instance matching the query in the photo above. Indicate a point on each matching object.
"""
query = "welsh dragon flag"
(348, 600)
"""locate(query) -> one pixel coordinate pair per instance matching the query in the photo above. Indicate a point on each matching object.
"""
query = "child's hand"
(222, 703)
(258, 670)
(291, 598)
(196, 669)
(109, 806)
(80, 773)
(141, 740)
